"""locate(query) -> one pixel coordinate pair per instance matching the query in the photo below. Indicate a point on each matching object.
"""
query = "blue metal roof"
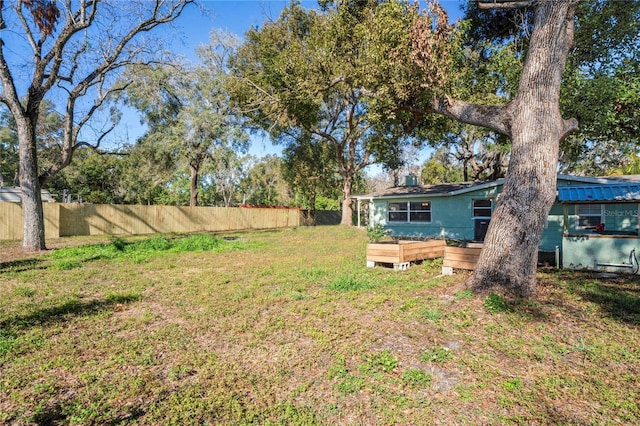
(622, 192)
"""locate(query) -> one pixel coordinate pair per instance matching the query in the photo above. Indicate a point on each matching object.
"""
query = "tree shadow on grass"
(619, 298)
(56, 414)
(22, 265)
(65, 310)
(33, 264)
(618, 295)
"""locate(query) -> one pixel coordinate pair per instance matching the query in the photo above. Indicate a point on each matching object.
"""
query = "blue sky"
(239, 15)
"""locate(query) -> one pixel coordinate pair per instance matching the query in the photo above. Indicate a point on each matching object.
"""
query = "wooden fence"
(62, 220)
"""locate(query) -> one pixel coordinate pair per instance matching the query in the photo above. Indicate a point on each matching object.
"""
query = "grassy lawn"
(290, 327)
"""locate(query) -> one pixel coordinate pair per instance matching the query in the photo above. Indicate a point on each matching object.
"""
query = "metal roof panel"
(594, 193)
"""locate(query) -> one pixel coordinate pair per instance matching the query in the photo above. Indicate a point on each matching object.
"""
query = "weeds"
(349, 283)
(436, 354)
(416, 378)
(382, 362)
(494, 303)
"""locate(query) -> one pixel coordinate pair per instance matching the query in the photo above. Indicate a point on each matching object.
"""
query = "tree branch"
(504, 4)
(496, 118)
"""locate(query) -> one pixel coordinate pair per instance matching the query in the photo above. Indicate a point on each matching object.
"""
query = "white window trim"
(407, 209)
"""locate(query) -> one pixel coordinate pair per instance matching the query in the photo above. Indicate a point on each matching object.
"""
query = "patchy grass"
(290, 327)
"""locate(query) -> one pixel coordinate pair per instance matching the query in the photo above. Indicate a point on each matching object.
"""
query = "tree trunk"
(32, 211)
(509, 258)
(193, 189)
(347, 211)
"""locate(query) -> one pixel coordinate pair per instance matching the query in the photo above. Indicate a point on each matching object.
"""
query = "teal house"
(593, 224)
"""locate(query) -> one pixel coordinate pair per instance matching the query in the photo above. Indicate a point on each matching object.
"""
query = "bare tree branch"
(496, 118)
(505, 4)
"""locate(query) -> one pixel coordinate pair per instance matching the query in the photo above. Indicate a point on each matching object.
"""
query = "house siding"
(552, 232)
(451, 216)
(591, 251)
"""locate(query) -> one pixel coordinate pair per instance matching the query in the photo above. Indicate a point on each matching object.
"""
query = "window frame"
(407, 208)
(579, 215)
(474, 208)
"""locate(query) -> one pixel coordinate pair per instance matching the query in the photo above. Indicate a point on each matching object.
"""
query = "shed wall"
(586, 251)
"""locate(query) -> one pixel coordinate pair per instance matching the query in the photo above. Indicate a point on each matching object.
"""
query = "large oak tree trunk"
(509, 258)
(32, 211)
(347, 210)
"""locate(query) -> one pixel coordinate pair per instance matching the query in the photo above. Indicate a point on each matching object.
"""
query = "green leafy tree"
(600, 84)
(483, 154)
(265, 184)
(147, 170)
(440, 168)
(48, 135)
(188, 109)
(75, 51)
(309, 167)
(305, 73)
(91, 177)
(8, 150)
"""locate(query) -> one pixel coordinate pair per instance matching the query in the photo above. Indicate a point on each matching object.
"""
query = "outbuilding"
(593, 224)
(11, 194)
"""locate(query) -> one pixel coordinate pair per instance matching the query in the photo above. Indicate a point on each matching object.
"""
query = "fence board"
(62, 220)
(11, 220)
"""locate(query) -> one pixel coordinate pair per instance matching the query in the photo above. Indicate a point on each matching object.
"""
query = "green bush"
(376, 233)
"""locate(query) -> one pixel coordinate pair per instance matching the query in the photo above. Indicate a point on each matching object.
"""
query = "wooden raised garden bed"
(461, 257)
(401, 253)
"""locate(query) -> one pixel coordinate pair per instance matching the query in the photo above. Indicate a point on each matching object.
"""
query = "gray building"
(14, 195)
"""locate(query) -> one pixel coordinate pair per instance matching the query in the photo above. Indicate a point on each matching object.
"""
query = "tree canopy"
(308, 73)
(188, 110)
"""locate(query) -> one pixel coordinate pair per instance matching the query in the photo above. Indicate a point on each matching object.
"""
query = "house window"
(588, 216)
(410, 211)
(398, 212)
(482, 208)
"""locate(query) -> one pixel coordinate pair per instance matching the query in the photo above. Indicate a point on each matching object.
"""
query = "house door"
(480, 229)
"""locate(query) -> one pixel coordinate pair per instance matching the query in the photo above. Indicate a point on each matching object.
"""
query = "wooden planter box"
(461, 257)
(401, 253)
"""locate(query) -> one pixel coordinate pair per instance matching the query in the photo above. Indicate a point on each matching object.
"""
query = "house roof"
(600, 193)
(437, 190)
(448, 189)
